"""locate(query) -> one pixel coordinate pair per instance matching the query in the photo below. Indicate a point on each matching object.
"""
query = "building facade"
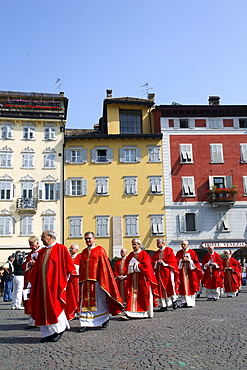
(205, 173)
(114, 178)
(31, 167)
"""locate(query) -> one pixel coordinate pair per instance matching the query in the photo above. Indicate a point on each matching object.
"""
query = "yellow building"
(114, 178)
(31, 167)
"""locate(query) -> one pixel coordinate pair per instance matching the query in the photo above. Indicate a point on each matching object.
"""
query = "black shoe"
(55, 337)
(82, 329)
(198, 295)
(183, 305)
(45, 339)
(214, 299)
(209, 299)
(105, 324)
(175, 305)
(30, 327)
(162, 309)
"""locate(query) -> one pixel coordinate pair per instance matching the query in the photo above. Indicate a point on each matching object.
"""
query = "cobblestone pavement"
(211, 335)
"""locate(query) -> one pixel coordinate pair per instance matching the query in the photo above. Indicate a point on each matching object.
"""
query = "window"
(188, 188)
(130, 185)
(48, 223)
(49, 160)
(190, 222)
(27, 189)
(102, 186)
(6, 225)
(6, 190)
(49, 190)
(243, 153)
(7, 131)
(26, 225)
(102, 226)
(28, 133)
(245, 185)
(220, 181)
(216, 152)
(75, 226)
(186, 153)
(28, 158)
(154, 154)
(157, 225)
(6, 157)
(215, 123)
(243, 122)
(101, 155)
(155, 184)
(129, 155)
(222, 222)
(130, 121)
(184, 123)
(76, 187)
(75, 155)
(131, 222)
(50, 133)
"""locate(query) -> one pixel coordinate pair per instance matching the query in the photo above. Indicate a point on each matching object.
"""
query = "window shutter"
(228, 181)
(84, 187)
(109, 155)
(154, 226)
(94, 155)
(198, 221)
(182, 223)
(105, 186)
(121, 155)
(176, 122)
(67, 155)
(151, 154)
(57, 187)
(84, 155)
(245, 184)
(41, 190)
(243, 150)
(127, 186)
(138, 155)
(67, 187)
(191, 123)
(160, 225)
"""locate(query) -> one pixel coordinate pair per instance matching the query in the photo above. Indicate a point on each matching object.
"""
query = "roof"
(129, 100)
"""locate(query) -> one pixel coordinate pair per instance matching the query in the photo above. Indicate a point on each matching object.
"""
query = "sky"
(186, 50)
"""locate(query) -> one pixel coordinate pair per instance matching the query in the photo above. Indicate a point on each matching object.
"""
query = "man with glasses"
(49, 280)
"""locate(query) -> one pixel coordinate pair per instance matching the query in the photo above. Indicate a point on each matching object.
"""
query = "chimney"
(151, 97)
(214, 100)
(109, 93)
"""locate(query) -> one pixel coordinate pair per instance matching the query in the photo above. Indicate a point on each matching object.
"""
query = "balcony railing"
(27, 204)
(222, 196)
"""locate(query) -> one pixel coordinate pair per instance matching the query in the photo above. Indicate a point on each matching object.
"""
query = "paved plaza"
(211, 335)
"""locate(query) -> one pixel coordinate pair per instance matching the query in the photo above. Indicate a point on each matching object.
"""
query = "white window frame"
(49, 133)
(7, 131)
(75, 226)
(102, 186)
(78, 191)
(243, 152)
(157, 225)
(186, 155)
(26, 225)
(96, 158)
(222, 225)
(27, 187)
(131, 225)
(216, 153)
(45, 192)
(28, 133)
(155, 185)
(227, 181)
(130, 185)
(188, 186)
(48, 223)
(177, 123)
(245, 185)
(49, 160)
(125, 157)
(6, 226)
(183, 225)
(6, 190)
(215, 123)
(5, 159)
(154, 154)
(102, 226)
(27, 160)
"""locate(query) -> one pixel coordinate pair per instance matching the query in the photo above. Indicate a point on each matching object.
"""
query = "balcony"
(222, 196)
(27, 204)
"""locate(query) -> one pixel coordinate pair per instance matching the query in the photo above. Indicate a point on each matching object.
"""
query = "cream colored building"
(31, 167)
(114, 178)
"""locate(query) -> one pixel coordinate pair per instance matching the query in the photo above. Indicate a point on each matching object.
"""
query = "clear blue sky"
(185, 49)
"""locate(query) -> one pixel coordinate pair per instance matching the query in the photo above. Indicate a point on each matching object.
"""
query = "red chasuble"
(119, 269)
(139, 283)
(189, 279)
(166, 287)
(49, 281)
(212, 275)
(72, 292)
(231, 276)
(95, 266)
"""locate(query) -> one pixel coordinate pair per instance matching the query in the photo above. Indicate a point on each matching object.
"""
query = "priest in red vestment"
(72, 306)
(99, 294)
(212, 266)
(27, 267)
(141, 283)
(49, 280)
(119, 273)
(167, 275)
(190, 275)
(231, 274)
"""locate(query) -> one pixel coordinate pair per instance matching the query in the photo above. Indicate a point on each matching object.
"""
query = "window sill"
(49, 168)
(26, 139)
(186, 162)
(156, 193)
(28, 168)
(189, 196)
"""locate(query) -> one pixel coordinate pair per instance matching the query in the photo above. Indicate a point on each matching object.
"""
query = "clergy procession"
(60, 285)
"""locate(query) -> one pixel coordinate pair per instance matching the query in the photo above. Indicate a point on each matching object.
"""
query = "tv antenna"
(146, 89)
(58, 83)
